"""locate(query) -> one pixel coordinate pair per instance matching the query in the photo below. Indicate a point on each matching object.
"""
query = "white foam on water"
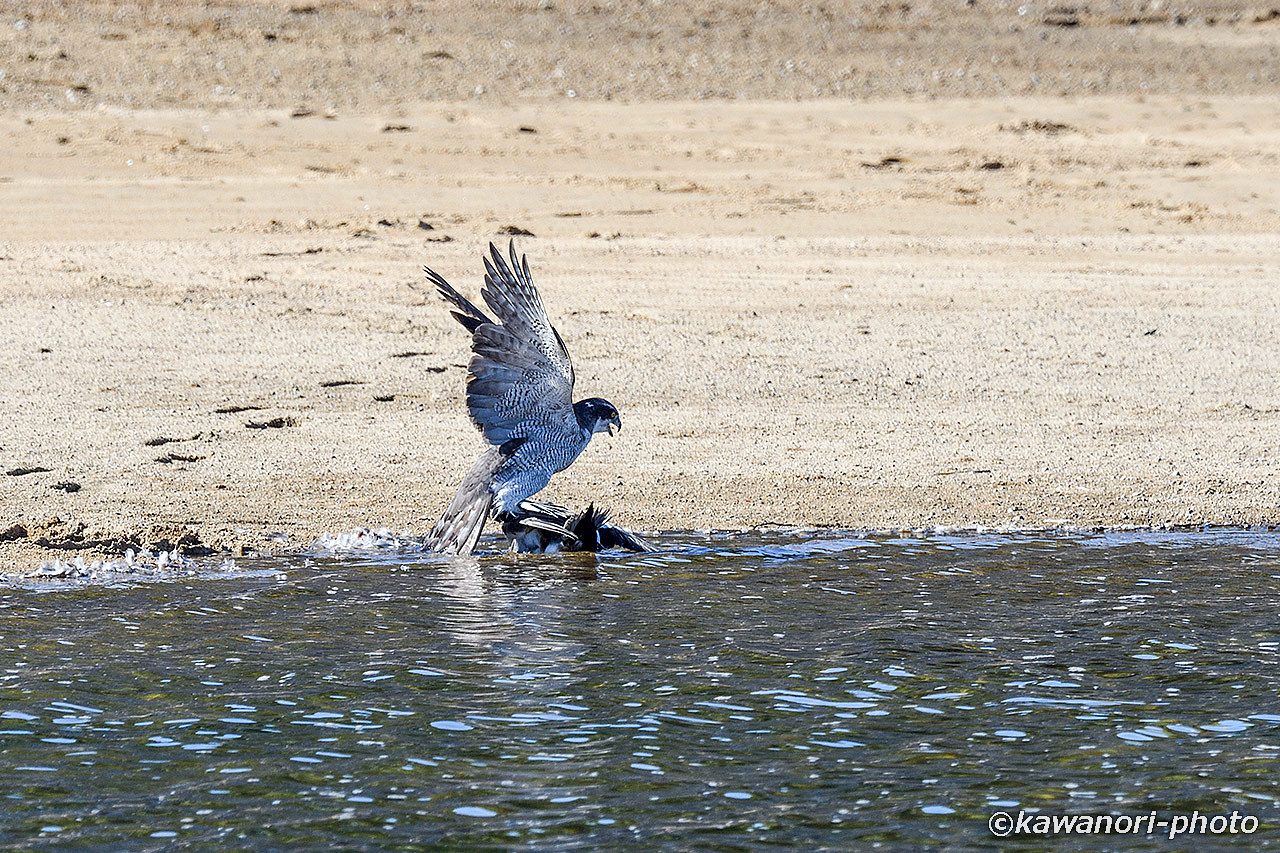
(133, 564)
(366, 539)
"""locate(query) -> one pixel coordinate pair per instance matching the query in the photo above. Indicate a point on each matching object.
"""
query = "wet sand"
(872, 308)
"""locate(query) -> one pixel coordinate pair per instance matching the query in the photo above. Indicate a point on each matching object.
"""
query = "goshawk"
(519, 394)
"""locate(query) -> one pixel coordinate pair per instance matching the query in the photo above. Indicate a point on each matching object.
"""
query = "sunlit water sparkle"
(730, 691)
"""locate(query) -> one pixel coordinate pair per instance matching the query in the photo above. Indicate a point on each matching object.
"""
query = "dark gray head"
(597, 415)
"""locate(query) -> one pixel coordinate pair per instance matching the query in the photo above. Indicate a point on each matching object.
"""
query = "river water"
(729, 692)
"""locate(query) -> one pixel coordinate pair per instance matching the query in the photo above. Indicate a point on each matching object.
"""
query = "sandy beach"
(852, 292)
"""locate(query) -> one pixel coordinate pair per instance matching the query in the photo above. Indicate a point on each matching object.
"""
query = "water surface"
(729, 692)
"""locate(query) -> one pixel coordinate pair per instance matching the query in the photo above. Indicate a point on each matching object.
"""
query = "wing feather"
(467, 313)
(520, 372)
(514, 298)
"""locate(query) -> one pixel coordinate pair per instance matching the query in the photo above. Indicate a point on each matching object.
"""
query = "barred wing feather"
(509, 292)
(520, 374)
(511, 385)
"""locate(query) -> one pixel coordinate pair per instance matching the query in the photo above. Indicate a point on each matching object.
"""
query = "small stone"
(13, 532)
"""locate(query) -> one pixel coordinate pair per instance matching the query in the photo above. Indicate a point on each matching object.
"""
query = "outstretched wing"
(520, 375)
(509, 293)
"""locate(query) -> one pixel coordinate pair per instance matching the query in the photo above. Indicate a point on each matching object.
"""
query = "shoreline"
(1004, 393)
(160, 566)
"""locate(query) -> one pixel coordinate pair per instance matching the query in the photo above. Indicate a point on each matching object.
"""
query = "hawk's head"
(597, 415)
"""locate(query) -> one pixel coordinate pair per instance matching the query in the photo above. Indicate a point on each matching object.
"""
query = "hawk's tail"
(459, 528)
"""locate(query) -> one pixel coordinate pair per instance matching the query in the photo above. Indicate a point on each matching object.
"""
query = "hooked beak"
(616, 421)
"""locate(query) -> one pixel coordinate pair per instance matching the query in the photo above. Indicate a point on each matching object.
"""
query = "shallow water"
(729, 692)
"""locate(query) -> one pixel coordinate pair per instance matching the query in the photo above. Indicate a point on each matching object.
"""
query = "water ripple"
(797, 689)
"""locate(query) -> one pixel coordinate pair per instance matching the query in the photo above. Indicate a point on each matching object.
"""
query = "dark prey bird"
(519, 393)
(545, 528)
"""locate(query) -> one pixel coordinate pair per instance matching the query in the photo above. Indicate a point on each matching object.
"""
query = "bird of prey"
(545, 528)
(519, 394)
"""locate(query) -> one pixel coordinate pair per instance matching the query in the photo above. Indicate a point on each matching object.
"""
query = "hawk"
(520, 396)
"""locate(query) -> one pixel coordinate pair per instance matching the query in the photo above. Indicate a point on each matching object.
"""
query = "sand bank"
(1018, 309)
